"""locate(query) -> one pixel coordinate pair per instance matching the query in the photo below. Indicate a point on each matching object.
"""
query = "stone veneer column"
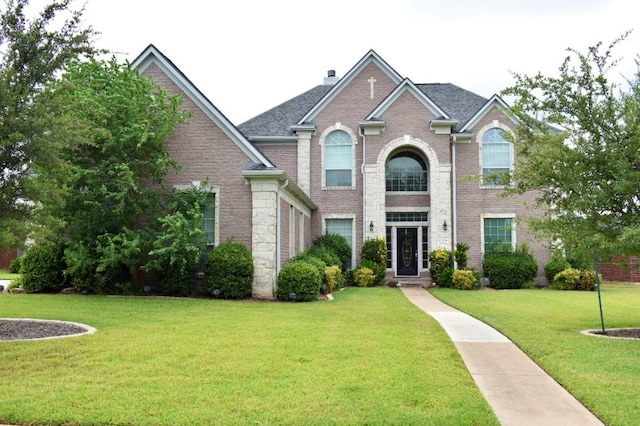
(264, 236)
(304, 162)
(441, 209)
(374, 204)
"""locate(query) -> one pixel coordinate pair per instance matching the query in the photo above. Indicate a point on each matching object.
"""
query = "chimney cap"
(331, 73)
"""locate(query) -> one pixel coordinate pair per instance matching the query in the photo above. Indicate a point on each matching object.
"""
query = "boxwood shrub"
(575, 279)
(439, 260)
(509, 269)
(364, 277)
(374, 251)
(336, 244)
(15, 265)
(42, 268)
(228, 271)
(300, 278)
(554, 267)
(465, 279)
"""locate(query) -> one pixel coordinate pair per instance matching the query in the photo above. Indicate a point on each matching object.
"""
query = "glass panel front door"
(407, 251)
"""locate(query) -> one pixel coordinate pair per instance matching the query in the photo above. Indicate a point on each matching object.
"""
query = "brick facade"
(621, 270)
(271, 195)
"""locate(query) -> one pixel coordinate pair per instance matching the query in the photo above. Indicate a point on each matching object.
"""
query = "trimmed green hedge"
(228, 271)
(298, 278)
(509, 269)
(42, 268)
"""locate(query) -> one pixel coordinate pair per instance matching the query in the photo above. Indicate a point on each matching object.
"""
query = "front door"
(407, 251)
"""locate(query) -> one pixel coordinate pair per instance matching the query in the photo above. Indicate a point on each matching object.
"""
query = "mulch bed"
(31, 329)
(622, 333)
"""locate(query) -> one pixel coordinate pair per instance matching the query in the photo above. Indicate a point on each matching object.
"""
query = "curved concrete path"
(517, 389)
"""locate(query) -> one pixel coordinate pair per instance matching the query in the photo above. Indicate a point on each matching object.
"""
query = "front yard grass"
(604, 374)
(367, 357)
(6, 275)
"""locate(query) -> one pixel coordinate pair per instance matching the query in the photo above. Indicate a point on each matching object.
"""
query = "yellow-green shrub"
(364, 277)
(334, 280)
(464, 279)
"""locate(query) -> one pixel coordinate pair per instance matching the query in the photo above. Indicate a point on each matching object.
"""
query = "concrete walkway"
(517, 389)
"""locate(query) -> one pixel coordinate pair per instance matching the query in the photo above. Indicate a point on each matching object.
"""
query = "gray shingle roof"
(459, 103)
(277, 120)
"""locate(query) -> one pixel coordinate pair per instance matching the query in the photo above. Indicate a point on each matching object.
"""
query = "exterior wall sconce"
(444, 225)
(371, 226)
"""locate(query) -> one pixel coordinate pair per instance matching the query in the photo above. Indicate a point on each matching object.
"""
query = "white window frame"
(354, 142)
(215, 191)
(330, 216)
(495, 124)
(511, 216)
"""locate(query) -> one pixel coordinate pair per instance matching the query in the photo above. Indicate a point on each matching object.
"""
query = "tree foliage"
(34, 52)
(578, 145)
(114, 197)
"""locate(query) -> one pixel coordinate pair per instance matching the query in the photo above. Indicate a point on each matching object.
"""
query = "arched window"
(338, 159)
(496, 158)
(406, 172)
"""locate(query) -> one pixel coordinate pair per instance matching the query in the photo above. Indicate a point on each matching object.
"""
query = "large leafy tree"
(34, 51)
(114, 196)
(578, 144)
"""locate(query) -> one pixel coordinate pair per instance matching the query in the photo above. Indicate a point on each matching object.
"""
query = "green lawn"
(367, 357)
(604, 374)
(6, 275)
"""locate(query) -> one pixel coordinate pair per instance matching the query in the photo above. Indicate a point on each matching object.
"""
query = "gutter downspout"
(454, 196)
(278, 231)
(364, 184)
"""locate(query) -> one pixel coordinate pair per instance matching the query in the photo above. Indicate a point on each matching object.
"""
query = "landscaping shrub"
(15, 265)
(310, 257)
(446, 278)
(324, 254)
(336, 244)
(374, 250)
(42, 268)
(229, 269)
(460, 255)
(509, 269)
(334, 279)
(439, 260)
(575, 279)
(364, 277)
(379, 270)
(588, 280)
(300, 278)
(555, 266)
(465, 279)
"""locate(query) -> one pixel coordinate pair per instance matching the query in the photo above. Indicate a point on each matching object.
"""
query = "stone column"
(374, 204)
(264, 236)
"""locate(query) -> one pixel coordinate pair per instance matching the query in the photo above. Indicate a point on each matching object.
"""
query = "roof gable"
(151, 55)
(494, 101)
(408, 86)
(370, 57)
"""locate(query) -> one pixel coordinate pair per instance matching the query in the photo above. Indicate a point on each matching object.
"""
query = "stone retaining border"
(88, 329)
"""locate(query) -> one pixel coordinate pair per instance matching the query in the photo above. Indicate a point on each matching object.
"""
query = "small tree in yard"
(578, 149)
(117, 162)
(34, 51)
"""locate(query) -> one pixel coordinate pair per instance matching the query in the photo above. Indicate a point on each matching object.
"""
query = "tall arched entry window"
(406, 171)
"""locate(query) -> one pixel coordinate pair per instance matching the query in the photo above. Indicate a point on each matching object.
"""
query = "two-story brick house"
(371, 154)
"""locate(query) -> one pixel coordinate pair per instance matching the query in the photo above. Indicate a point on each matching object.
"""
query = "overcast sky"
(250, 55)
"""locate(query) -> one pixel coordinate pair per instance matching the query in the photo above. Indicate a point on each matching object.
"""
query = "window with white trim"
(496, 158)
(498, 233)
(338, 159)
(406, 171)
(209, 220)
(342, 227)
